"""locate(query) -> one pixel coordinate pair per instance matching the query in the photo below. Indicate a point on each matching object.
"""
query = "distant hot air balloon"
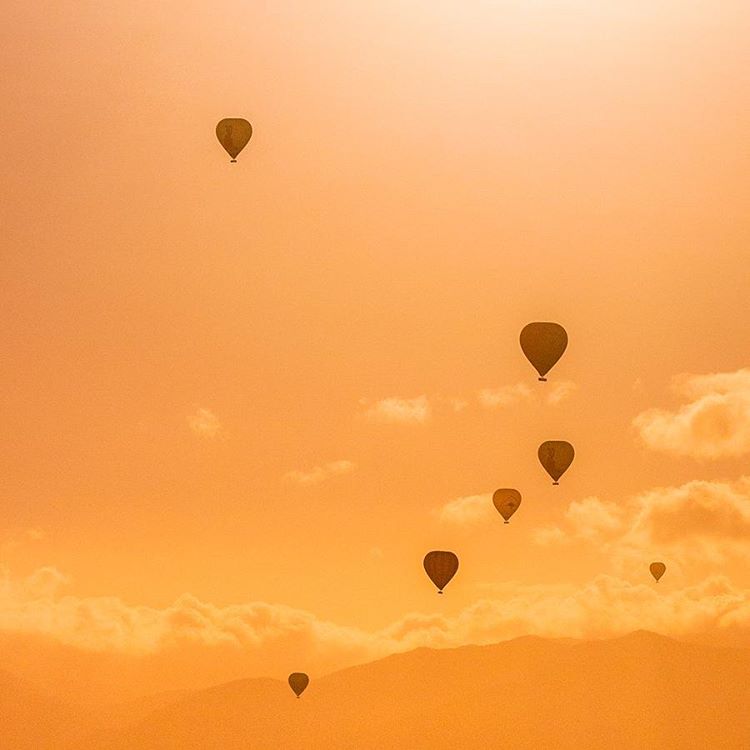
(234, 133)
(440, 567)
(556, 456)
(506, 501)
(298, 681)
(543, 344)
(657, 570)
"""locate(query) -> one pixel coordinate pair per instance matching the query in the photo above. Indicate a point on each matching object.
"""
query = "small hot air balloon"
(440, 567)
(506, 501)
(298, 681)
(556, 456)
(234, 133)
(543, 344)
(657, 570)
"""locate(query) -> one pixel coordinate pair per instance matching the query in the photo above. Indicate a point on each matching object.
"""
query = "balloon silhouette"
(657, 570)
(556, 456)
(298, 681)
(234, 133)
(506, 501)
(440, 566)
(543, 344)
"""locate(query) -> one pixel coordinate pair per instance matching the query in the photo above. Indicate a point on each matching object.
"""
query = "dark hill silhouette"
(638, 692)
(32, 720)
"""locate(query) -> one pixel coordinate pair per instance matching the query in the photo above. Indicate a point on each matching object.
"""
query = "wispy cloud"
(509, 395)
(400, 410)
(464, 511)
(204, 423)
(560, 391)
(321, 473)
(713, 423)
(418, 410)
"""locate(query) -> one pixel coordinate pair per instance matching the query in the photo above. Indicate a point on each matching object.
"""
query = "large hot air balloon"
(543, 344)
(440, 567)
(234, 133)
(506, 501)
(556, 456)
(657, 570)
(298, 681)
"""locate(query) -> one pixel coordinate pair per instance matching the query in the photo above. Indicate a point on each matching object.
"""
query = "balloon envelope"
(506, 501)
(543, 344)
(440, 566)
(298, 681)
(556, 456)
(657, 570)
(234, 133)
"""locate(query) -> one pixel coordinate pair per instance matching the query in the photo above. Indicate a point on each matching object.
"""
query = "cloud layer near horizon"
(695, 528)
(605, 606)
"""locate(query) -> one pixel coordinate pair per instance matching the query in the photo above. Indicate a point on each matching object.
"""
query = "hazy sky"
(264, 382)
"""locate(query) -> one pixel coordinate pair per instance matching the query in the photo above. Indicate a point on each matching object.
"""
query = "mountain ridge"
(641, 691)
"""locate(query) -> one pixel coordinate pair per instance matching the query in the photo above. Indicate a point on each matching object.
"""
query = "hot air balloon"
(556, 456)
(440, 567)
(298, 681)
(543, 344)
(234, 133)
(657, 570)
(506, 501)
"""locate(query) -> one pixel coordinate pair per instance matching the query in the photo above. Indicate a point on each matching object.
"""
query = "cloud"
(697, 524)
(400, 411)
(700, 523)
(321, 473)
(592, 517)
(549, 535)
(509, 395)
(458, 404)
(39, 605)
(605, 606)
(204, 423)
(464, 511)
(714, 423)
(418, 410)
(559, 391)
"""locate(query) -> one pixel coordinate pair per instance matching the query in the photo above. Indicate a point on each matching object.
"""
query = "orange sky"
(185, 339)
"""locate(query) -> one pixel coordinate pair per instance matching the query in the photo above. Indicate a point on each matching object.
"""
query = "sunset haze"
(241, 402)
